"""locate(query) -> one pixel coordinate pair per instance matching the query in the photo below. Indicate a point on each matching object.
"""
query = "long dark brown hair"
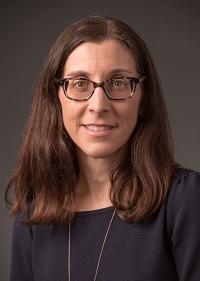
(47, 171)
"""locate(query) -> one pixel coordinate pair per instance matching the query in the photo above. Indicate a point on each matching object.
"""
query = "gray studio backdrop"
(28, 28)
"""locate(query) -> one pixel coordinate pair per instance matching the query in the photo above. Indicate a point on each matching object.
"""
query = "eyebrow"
(112, 72)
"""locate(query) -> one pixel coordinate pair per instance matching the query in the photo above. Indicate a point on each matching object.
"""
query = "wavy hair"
(47, 171)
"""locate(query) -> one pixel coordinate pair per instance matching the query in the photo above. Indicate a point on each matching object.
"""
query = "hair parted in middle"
(47, 170)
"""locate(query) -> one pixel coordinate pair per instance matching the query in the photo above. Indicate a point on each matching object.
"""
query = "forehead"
(100, 58)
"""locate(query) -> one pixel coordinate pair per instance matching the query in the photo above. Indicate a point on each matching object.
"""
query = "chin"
(98, 152)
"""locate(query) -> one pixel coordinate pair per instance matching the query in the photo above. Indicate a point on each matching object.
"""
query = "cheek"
(68, 117)
(130, 114)
(71, 116)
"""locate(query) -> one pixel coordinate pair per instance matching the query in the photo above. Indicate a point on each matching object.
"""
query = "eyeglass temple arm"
(141, 79)
(58, 81)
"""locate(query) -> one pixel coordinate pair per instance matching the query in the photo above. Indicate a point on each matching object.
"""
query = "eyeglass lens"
(117, 88)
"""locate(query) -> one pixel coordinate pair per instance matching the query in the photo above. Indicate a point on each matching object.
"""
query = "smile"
(98, 131)
(98, 128)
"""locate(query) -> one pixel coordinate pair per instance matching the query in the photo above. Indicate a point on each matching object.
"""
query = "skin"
(96, 155)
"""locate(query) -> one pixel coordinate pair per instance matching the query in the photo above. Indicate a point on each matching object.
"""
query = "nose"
(99, 102)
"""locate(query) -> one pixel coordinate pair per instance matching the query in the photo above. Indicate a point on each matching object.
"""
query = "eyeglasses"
(80, 89)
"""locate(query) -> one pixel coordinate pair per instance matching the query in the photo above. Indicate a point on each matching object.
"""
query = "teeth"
(98, 128)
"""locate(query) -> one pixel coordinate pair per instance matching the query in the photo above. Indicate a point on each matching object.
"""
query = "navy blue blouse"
(163, 248)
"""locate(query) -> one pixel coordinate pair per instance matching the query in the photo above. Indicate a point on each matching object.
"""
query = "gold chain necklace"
(100, 255)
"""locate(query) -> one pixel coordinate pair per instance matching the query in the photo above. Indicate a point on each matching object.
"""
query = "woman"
(98, 194)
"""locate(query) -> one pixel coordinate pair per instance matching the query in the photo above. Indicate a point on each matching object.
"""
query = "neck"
(94, 184)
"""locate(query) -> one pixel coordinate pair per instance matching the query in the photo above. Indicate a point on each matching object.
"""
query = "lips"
(99, 130)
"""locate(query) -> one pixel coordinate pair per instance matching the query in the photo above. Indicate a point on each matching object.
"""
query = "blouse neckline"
(94, 212)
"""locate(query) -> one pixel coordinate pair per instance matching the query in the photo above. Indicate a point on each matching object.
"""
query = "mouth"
(99, 130)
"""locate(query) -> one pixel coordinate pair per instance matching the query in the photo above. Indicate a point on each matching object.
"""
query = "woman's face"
(99, 62)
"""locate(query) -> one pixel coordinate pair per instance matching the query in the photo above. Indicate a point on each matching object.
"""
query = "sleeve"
(21, 251)
(183, 216)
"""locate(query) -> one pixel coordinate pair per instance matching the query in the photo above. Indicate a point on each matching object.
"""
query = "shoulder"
(19, 228)
(185, 183)
(183, 202)
(183, 223)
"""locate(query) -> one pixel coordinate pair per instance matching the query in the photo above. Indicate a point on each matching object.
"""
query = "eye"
(80, 83)
(119, 83)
